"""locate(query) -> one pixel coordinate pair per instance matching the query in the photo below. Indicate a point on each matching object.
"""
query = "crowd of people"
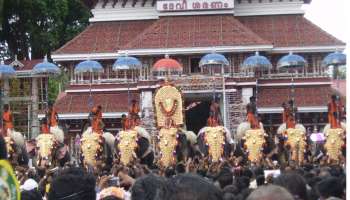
(195, 179)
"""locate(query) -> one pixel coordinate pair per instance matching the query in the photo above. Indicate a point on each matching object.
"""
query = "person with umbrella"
(134, 110)
(96, 120)
(291, 115)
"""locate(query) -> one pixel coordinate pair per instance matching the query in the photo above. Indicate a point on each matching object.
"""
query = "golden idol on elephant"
(169, 116)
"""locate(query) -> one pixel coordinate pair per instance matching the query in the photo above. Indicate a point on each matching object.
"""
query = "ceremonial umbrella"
(291, 63)
(48, 69)
(125, 63)
(256, 63)
(335, 59)
(211, 61)
(167, 66)
(6, 71)
(90, 67)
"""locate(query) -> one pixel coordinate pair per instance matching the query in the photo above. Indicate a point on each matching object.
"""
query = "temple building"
(186, 30)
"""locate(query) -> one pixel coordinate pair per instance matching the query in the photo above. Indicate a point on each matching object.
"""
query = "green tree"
(41, 25)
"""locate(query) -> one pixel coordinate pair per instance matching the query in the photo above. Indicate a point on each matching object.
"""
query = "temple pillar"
(146, 105)
(35, 108)
(246, 94)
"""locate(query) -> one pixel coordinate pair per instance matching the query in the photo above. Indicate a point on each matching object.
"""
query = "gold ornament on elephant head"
(9, 145)
(254, 141)
(296, 141)
(168, 105)
(215, 139)
(91, 147)
(45, 142)
(127, 145)
(167, 145)
(334, 143)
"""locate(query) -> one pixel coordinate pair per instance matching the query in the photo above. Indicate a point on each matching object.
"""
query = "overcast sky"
(331, 16)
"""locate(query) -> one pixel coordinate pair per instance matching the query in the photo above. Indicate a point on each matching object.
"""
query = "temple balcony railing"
(202, 80)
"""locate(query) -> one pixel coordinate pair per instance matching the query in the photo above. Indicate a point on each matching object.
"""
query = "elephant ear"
(300, 127)
(17, 138)
(191, 137)
(282, 128)
(109, 138)
(143, 133)
(58, 133)
(241, 129)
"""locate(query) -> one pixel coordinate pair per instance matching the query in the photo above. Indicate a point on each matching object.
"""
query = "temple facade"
(186, 30)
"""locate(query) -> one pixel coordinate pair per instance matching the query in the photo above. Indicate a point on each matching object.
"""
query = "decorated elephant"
(16, 150)
(214, 141)
(97, 149)
(335, 141)
(135, 143)
(51, 150)
(295, 138)
(254, 140)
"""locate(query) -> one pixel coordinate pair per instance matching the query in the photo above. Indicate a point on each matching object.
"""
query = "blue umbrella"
(6, 71)
(46, 68)
(291, 62)
(211, 60)
(256, 62)
(336, 59)
(88, 66)
(127, 63)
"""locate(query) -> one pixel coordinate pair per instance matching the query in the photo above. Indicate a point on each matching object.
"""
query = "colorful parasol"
(124, 63)
(211, 61)
(88, 66)
(6, 71)
(336, 59)
(256, 63)
(167, 66)
(291, 63)
(46, 68)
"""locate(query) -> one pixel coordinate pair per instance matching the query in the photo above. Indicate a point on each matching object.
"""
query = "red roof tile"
(289, 30)
(78, 102)
(196, 31)
(28, 64)
(304, 96)
(102, 37)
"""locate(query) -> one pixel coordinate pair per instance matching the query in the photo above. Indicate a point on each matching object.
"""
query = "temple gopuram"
(186, 30)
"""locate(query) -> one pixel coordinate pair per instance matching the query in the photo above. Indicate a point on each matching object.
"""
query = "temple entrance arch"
(197, 107)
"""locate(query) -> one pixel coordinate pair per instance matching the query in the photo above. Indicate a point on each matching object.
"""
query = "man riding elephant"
(214, 140)
(97, 147)
(293, 132)
(252, 132)
(15, 142)
(51, 148)
(335, 130)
